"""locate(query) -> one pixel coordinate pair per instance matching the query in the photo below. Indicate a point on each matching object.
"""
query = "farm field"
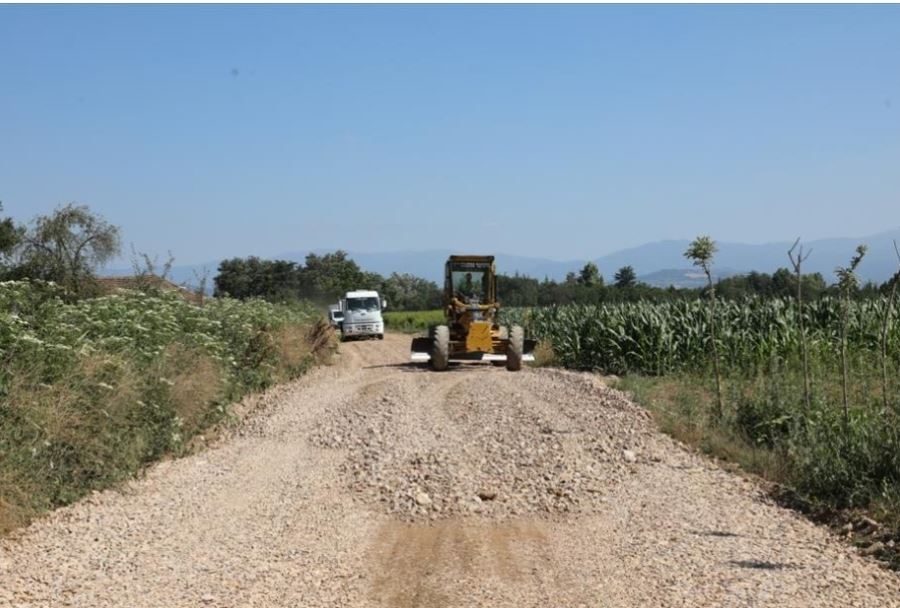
(412, 322)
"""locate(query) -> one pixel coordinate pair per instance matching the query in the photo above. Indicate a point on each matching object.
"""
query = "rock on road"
(373, 483)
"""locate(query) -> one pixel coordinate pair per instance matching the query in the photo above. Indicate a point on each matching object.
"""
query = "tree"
(328, 276)
(273, 280)
(701, 252)
(519, 290)
(67, 247)
(625, 277)
(784, 284)
(10, 236)
(590, 275)
(409, 292)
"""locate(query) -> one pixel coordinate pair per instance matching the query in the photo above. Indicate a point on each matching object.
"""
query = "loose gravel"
(373, 483)
(487, 448)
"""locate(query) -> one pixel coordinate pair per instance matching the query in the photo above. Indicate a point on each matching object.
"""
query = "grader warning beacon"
(472, 331)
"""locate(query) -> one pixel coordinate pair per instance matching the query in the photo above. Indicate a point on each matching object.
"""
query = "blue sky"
(562, 132)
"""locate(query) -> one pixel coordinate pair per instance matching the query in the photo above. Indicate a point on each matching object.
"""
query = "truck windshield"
(361, 304)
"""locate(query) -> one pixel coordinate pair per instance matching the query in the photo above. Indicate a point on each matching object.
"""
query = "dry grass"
(544, 356)
(108, 416)
(680, 409)
(323, 341)
(197, 382)
(16, 498)
(66, 437)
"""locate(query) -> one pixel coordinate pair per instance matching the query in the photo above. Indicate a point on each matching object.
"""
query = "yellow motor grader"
(472, 332)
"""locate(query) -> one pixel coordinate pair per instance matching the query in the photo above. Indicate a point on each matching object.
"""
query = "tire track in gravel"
(315, 501)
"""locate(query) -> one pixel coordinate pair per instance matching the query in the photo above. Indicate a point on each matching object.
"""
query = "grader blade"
(420, 350)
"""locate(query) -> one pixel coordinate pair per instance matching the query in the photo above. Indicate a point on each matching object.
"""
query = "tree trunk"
(715, 347)
(845, 380)
(806, 383)
(885, 326)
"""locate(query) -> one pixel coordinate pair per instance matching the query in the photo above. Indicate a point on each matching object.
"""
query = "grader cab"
(472, 331)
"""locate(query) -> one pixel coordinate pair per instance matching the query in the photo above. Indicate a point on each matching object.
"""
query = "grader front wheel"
(440, 348)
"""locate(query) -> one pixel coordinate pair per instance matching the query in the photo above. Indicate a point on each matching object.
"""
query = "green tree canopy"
(590, 275)
(273, 280)
(10, 236)
(67, 247)
(625, 277)
(701, 252)
(330, 275)
(409, 292)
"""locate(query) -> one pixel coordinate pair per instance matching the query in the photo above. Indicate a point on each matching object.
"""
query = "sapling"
(701, 252)
(847, 283)
(797, 262)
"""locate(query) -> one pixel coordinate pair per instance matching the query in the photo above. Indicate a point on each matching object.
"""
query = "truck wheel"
(381, 336)
(515, 348)
(440, 348)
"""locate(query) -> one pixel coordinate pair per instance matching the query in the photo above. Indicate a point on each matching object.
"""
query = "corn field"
(657, 339)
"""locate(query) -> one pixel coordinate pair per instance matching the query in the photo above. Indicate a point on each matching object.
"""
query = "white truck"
(362, 315)
(335, 315)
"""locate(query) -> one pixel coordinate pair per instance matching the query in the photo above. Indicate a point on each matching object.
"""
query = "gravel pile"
(495, 453)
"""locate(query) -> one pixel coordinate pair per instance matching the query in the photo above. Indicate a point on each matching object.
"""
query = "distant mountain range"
(660, 263)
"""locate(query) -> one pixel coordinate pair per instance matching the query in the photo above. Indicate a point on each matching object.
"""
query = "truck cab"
(362, 315)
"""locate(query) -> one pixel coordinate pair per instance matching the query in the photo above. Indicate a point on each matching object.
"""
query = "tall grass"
(92, 391)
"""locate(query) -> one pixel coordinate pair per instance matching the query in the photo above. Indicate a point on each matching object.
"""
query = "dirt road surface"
(373, 483)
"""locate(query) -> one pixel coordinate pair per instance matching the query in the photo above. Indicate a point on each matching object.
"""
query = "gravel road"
(373, 483)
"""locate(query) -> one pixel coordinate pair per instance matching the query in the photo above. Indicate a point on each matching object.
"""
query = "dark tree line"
(587, 287)
(321, 278)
